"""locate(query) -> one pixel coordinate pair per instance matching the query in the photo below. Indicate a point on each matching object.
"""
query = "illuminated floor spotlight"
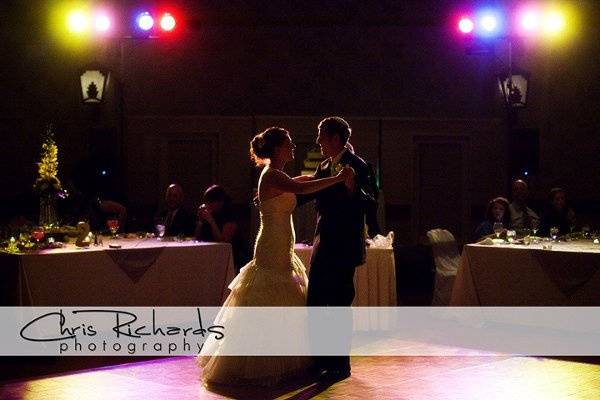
(466, 25)
(167, 22)
(145, 21)
(77, 21)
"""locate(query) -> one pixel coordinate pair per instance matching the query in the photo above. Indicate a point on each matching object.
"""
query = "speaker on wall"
(524, 157)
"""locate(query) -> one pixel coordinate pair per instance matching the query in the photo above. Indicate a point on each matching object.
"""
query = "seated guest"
(216, 222)
(558, 214)
(497, 211)
(521, 216)
(177, 220)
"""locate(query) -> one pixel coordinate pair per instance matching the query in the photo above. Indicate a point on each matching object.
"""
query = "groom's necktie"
(332, 168)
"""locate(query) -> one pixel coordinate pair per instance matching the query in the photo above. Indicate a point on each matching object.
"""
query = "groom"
(339, 243)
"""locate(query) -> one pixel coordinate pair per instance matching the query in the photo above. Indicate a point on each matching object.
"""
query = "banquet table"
(142, 272)
(375, 281)
(568, 274)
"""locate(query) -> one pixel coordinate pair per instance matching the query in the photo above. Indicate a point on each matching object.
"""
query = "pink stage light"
(530, 21)
(466, 25)
(102, 23)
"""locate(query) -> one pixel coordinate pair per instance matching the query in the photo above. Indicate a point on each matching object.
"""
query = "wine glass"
(535, 225)
(510, 235)
(113, 226)
(38, 233)
(498, 228)
(554, 233)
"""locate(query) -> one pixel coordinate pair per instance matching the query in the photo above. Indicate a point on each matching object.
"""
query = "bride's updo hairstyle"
(263, 145)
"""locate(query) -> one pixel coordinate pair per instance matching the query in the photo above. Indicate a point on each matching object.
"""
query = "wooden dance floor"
(440, 378)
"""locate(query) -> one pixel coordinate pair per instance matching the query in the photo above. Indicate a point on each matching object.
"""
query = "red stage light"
(167, 22)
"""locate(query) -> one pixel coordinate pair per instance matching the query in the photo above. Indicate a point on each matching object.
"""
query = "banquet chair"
(447, 259)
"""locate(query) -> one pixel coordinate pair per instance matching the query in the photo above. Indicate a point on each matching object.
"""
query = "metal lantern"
(513, 86)
(93, 85)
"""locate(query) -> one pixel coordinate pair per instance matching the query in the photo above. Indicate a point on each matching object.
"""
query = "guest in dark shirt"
(177, 220)
(216, 222)
(558, 214)
(497, 211)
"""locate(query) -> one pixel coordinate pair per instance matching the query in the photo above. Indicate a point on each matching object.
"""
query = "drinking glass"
(113, 226)
(38, 233)
(535, 225)
(554, 233)
(160, 231)
(498, 229)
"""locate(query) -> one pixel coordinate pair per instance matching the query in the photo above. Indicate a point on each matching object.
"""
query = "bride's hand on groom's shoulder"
(348, 174)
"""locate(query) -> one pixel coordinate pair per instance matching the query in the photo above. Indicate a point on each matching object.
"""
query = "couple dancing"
(276, 276)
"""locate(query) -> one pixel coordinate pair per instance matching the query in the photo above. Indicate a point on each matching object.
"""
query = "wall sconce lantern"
(513, 86)
(93, 85)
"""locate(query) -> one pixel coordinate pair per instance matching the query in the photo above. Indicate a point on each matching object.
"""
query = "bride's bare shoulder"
(273, 174)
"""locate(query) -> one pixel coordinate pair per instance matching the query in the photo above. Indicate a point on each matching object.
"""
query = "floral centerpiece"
(47, 185)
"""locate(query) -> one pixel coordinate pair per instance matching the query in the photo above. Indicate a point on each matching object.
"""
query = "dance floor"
(440, 378)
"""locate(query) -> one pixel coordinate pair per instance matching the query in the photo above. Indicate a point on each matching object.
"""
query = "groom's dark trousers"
(339, 247)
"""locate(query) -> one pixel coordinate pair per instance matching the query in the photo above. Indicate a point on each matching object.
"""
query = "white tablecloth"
(375, 282)
(144, 272)
(517, 275)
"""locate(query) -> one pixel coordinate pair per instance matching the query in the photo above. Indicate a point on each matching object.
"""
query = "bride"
(276, 276)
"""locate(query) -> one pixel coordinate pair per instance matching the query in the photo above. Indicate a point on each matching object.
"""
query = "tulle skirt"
(256, 286)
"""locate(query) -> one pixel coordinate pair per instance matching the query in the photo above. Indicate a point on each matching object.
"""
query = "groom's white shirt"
(336, 160)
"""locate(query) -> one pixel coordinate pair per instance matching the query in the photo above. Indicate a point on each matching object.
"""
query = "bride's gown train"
(275, 277)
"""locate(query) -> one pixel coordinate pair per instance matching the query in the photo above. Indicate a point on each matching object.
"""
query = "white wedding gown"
(275, 277)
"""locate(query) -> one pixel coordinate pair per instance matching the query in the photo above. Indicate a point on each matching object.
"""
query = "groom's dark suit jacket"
(340, 231)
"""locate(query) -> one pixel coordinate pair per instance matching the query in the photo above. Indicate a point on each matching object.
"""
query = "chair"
(447, 259)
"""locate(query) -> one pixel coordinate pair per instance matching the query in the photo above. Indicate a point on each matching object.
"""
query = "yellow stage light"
(77, 22)
(554, 22)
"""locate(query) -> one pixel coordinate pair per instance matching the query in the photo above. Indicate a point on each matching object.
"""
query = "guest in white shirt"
(521, 216)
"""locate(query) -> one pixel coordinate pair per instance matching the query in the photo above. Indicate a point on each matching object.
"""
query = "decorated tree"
(47, 185)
